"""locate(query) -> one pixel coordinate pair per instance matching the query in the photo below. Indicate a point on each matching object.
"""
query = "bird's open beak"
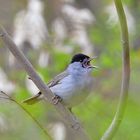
(90, 59)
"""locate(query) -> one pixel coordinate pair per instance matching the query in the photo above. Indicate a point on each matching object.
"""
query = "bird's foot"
(56, 99)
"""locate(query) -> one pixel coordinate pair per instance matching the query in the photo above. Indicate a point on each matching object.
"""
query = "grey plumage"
(72, 85)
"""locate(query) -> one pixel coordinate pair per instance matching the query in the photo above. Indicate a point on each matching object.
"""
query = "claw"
(56, 99)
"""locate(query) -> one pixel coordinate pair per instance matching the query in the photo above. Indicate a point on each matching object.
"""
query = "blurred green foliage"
(97, 111)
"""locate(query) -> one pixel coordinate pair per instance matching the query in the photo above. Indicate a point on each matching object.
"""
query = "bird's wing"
(57, 79)
(52, 83)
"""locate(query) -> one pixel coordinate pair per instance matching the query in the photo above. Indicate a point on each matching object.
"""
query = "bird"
(71, 86)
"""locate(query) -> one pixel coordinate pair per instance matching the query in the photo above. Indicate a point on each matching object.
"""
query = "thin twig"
(110, 132)
(69, 119)
(33, 118)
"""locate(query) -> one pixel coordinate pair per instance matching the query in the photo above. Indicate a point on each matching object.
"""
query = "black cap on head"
(79, 58)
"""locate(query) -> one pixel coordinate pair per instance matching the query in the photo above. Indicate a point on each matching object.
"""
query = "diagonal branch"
(65, 113)
(125, 74)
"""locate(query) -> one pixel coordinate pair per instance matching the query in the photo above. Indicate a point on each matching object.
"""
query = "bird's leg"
(75, 126)
(56, 99)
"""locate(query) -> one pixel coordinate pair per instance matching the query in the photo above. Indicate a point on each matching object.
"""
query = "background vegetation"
(97, 111)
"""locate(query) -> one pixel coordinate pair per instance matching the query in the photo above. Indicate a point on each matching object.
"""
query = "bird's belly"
(75, 98)
(71, 94)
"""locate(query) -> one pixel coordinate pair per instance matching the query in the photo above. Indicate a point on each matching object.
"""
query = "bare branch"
(65, 113)
(110, 132)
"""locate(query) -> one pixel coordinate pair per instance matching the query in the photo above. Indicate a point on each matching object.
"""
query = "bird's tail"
(33, 99)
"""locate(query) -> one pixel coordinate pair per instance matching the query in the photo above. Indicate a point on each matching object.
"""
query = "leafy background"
(97, 111)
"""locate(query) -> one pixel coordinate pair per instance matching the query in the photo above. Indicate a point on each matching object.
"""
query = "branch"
(6, 96)
(110, 132)
(69, 119)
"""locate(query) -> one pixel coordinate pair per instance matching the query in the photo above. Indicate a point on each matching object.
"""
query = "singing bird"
(71, 86)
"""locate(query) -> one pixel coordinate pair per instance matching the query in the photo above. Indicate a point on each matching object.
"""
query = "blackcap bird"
(71, 86)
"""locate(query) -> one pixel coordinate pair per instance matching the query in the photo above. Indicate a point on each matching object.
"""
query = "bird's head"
(84, 60)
